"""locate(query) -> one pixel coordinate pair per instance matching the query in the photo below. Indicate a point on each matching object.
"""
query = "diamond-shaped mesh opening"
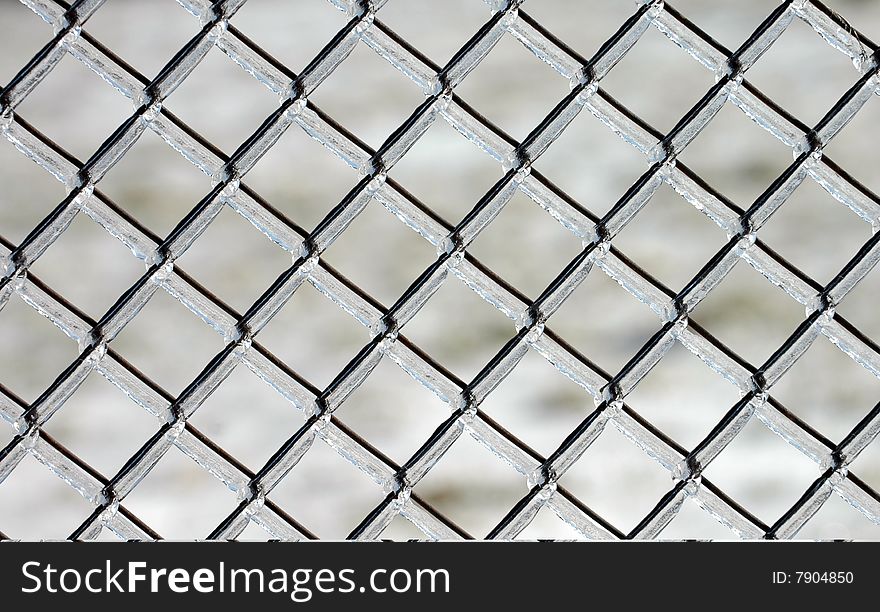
(160, 198)
(374, 264)
(244, 409)
(167, 328)
(437, 29)
(540, 402)
(748, 314)
(855, 143)
(470, 485)
(24, 182)
(837, 520)
(603, 169)
(509, 244)
(642, 80)
(597, 479)
(459, 329)
(529, 94)
(324, 476)
(825, 75)
(121, 29)
(391, 96)
(832, 406)
(670, 239)
(612, 314)
(582, 26)
(286, 176)
(603, 321)
(309, 320)
(683, 397)
(292, 33)
(455, 183)
(753, 157)
(241, 271)
(179, 499)
(818, 219)
(204, 101)
(88, 266)
(37, 350)
(744, 468)
(24, 40)
(36, 504)
(87, 101)
(398, 424)
(101, 425)
(859, 306)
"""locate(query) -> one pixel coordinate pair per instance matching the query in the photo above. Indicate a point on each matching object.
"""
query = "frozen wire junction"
(532, 320)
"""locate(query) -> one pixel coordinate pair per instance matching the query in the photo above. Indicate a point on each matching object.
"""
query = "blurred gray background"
(524, 245)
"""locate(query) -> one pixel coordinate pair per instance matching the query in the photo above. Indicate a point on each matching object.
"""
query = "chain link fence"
(532, 320)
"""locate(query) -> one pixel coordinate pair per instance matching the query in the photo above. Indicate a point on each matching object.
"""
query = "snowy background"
(524, 245)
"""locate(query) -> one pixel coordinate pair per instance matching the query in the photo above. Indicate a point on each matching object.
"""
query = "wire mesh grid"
(532, 319)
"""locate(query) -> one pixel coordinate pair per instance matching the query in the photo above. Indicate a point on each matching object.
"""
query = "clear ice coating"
(534, 321)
